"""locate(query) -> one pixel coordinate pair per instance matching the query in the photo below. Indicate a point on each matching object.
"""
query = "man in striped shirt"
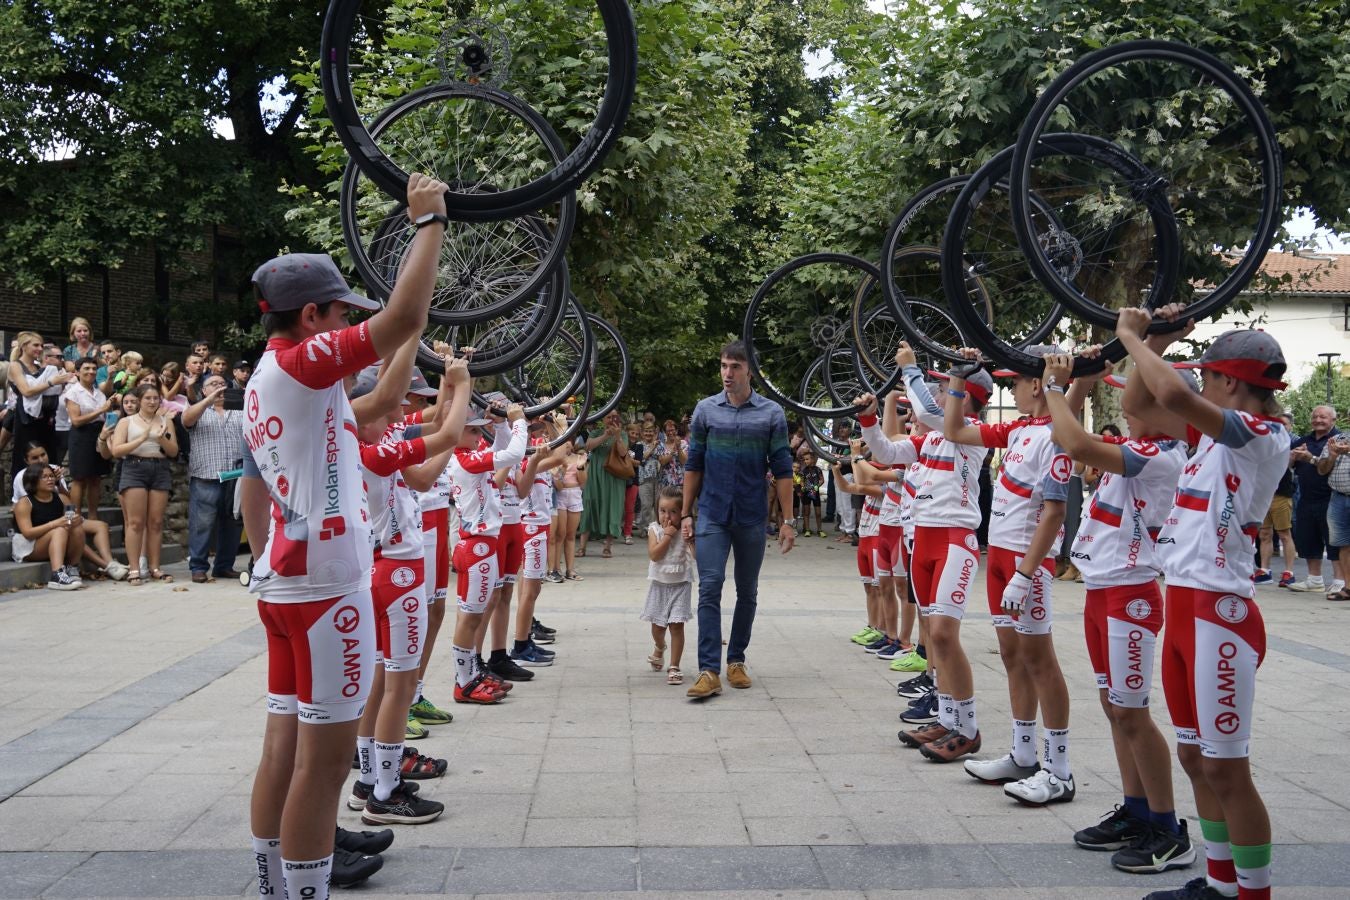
(735, 436)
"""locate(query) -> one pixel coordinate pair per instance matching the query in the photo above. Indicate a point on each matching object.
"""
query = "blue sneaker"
(877, 645)
(1263, 576)
(530, 656)
(548, 654)
(923, 699)
(891, 650)
(923, 715)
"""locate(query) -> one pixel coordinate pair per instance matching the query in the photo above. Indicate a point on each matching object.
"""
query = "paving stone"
(723, 868)
(581, 832)
(802, 831)
(32, 823)
(544, 869)
(710, 828)
(29, 874)
(168, 873)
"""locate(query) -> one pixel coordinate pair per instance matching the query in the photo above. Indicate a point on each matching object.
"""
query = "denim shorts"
(145, 472)
(1338, 520)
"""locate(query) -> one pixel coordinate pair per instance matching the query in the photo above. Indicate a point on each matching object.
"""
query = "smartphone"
(111, 418)
(234, 398)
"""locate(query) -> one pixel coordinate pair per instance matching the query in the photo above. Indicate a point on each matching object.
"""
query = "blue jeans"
(211, 505)
(714, 544)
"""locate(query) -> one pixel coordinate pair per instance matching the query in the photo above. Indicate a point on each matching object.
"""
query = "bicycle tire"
(812, 390)
(579, 346)
(901, 305)
(609, 343)
(824, 331)
(466, 274)
(874, 335)
(506, 341)
(954, 253)
(620, 86)
(1269, 163)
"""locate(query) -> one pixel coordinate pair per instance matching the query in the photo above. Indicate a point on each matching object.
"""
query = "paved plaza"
(131, 720)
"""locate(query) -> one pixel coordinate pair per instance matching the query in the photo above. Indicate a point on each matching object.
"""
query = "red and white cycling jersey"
(1115, 546)
(909, 488)
(536, 505)
(301, 433)
(396, 516)
(1033, 470)
(870, 520)
(476, 497)
(509, 496)
(947, 483)
(1208, 538)
(438, 497)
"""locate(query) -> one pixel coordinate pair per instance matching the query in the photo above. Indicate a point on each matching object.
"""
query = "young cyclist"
(946, 512)
(313, 558)
(536, 505)
(476, 554)
(1114, 551)
(1215, 637)
(867, 533)
(394, 470)
(1025, 528)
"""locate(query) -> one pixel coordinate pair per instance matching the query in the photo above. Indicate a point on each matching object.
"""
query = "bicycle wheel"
(841, 376)
(504, 342)
(1206, 148)
(800, 312)
(463, 135)
(611, 368)
(552, 375)
(912, 282)
(352, 42)
(979, 238)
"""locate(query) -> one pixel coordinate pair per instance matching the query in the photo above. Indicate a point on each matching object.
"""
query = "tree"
(111, 141)
(660, 248)
(933, 90)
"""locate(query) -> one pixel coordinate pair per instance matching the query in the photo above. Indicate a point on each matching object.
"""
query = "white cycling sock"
(1057, 752)
(307, 880)
(1024, 742)
(466, 665)
(365, 755)
(388, 766)
(946, 711)
(267, 854)
(965, 717)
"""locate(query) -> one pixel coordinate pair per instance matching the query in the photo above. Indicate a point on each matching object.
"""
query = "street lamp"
(1328, 357)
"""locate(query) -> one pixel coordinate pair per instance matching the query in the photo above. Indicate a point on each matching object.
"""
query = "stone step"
(25, 574)
(114, 535)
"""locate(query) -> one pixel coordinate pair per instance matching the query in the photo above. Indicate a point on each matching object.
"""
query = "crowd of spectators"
(89, 412)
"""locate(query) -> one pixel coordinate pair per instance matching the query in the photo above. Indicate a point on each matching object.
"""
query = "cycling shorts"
(890, 564)
(510, 552)
(867, 559)
(320, 657)
(569, 498)
(1121, 624)
(475, 571)
(436, 552)
(399, 589)
(1212, 646)
(943, 569)
(535, 551)
(1036, 615)
(907, 557)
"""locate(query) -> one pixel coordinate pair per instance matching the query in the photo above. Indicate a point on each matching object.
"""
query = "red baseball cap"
(1246, 354)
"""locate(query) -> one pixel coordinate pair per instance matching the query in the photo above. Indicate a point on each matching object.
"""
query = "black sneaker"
(506, 669)
(1118, 830)
(360, 795)
(541, 637)
(367, 842)
(536, 625)
(1195, 889)
(351, 868)
(1156, 851)
(402, 808)
(915, 687)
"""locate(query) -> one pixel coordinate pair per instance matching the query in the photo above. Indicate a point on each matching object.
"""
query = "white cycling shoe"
(999, 771)
(1042, 788)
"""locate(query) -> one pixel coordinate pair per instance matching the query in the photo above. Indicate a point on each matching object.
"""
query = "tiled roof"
(1321, 273)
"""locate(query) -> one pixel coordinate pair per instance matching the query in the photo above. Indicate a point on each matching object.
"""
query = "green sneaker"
(429, 713)
(909, 662)
(866, 636)
(415, 730)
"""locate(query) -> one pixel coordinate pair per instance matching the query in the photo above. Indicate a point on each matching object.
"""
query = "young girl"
(813, 485)
(570, 504)
(671, 585)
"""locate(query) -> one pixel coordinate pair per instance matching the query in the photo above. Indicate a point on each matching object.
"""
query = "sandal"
(628, 540)
(158, 575)
(573, 576)
(657, 658)
(606, 553)
(134, 577)
(1339, 596)
(417, 767)
(674, 675)
(581, 552)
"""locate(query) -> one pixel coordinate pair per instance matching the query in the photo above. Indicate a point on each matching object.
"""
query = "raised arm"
(404, 317)
(392, 384)
(954, 424)
(1163, 397)
(1067, 432)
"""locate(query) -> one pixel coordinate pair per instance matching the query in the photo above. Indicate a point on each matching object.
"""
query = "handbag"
(618, 463)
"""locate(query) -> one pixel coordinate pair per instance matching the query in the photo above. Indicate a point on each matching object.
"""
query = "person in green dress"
(602, 498)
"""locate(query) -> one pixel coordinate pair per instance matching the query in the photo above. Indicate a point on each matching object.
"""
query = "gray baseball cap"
(291, 281)
(366, 380)
(1246, 354)
(419, 384)
(978, 383)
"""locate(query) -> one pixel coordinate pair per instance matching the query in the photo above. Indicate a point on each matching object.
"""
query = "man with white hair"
(1310, 517)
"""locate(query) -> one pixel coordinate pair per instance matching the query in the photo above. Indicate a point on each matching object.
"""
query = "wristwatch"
(428, 218)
